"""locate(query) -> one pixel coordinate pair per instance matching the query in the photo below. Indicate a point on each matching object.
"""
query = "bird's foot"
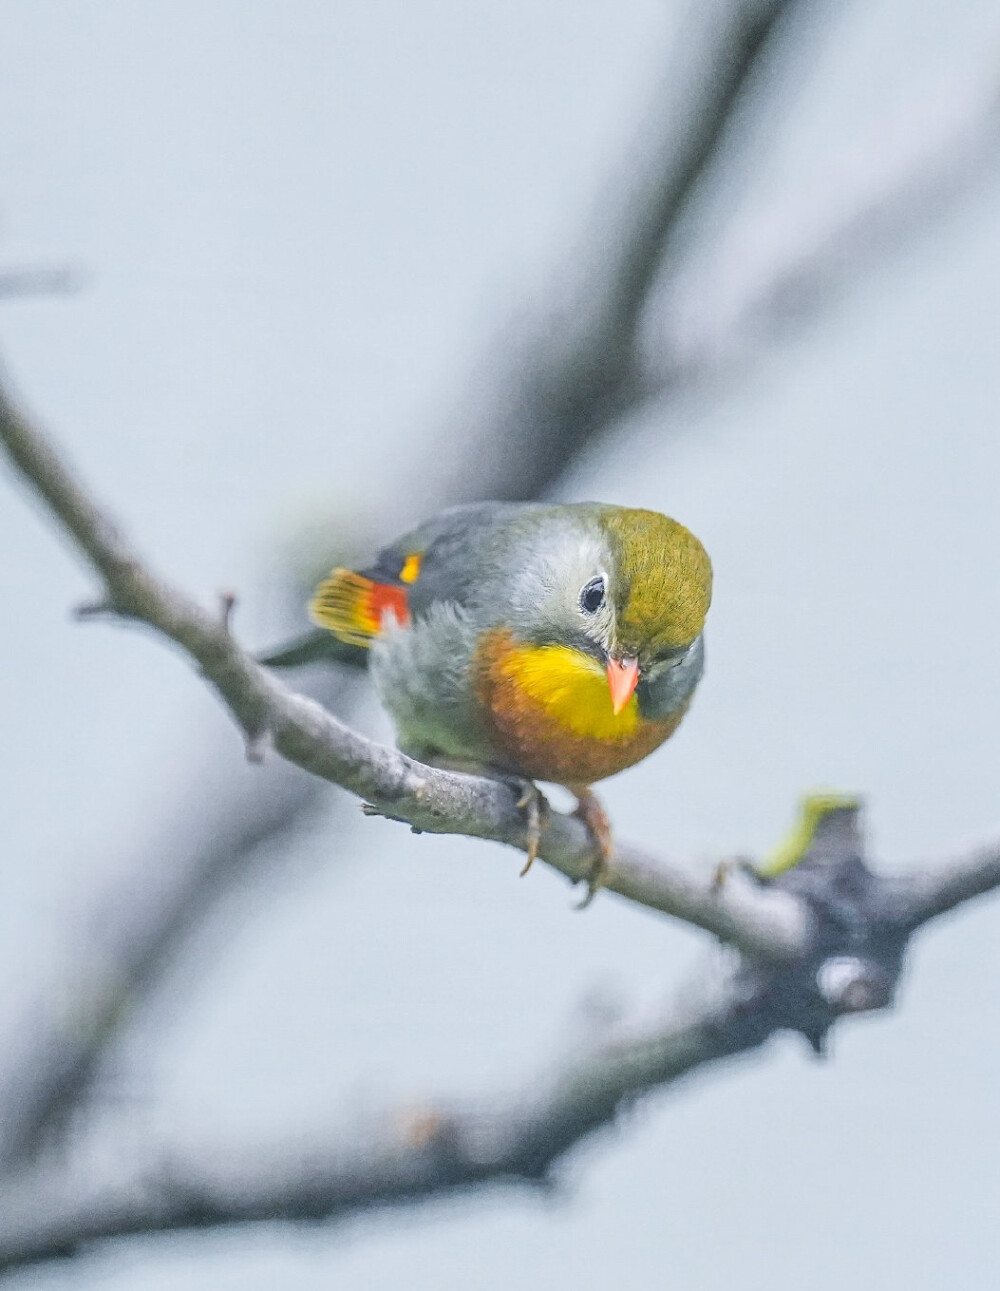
(530, 802)
(593, 815)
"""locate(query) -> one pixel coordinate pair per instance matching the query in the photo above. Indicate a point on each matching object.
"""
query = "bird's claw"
(530, 802)
(593, 815)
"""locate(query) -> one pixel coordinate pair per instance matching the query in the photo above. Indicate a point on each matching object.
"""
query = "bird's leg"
(593, 815)
(530, 802)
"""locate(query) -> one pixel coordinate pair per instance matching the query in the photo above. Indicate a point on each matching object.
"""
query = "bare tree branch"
(398, 787)
(937, 890)
(441, 1147)
(565, 386)
(571, 386)
(824, 939)
(581, 352)
(409, 1155)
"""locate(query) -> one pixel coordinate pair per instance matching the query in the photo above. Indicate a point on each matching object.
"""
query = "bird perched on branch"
(559, 643)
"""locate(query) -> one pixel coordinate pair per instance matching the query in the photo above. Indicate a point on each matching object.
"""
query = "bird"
(559, 643)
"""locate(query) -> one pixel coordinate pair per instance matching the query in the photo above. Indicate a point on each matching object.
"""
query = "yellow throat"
(572, 688)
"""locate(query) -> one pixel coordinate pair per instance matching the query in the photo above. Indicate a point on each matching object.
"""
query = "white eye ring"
(593, 594)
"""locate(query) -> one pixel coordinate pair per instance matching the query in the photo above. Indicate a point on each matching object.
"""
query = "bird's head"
(631, 588)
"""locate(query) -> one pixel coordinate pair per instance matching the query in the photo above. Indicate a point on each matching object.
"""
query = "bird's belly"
(549, 711)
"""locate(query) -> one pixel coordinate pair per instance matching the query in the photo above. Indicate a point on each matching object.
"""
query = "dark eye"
(592, 596)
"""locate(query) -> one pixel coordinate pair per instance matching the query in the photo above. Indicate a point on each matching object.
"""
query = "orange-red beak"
(623, 677)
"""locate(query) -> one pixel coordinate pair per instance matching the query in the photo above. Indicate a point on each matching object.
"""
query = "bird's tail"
(354, 607)
(315, 646)
(351, 610)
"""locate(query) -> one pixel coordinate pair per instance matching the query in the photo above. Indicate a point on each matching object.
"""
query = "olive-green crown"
(663, 584)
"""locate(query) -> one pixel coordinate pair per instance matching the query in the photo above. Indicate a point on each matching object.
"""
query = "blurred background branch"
(570, 376)
(55, 280)
(561, 390)
(411, 1154)
(575, 371)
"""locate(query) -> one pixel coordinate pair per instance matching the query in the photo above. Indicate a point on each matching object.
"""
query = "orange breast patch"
(548, 709)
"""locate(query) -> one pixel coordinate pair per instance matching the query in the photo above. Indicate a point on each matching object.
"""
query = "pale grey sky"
(302, 223)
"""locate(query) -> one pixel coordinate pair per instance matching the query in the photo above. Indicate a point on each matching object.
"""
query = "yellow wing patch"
(572, 688)
(411, 568)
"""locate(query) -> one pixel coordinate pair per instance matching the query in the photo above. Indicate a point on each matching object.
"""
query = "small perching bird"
(542, 642)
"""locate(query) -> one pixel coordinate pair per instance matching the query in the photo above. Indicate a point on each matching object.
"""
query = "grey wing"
(455, 548)
(453, 551)
(421, 674)
(421, 671)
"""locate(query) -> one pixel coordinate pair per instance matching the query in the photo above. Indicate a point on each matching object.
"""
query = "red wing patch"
(353, 607)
